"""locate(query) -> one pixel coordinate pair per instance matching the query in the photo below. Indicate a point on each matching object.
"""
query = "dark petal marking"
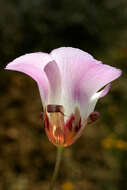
(69, 122)
(77, 127)
(46, 122)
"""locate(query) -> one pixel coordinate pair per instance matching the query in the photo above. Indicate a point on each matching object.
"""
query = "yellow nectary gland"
(59, 132)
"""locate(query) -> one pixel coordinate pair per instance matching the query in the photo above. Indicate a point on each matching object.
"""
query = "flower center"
(59, 131)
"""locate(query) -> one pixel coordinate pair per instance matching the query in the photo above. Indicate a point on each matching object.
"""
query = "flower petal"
(95, 97)
(105, 90)
(54, 77)
(33, 64)
(98, 76)
(92, 101)
(82, 77)
(73, 64)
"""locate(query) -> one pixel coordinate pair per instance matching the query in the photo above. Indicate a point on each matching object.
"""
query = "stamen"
(60, 131)
(77, 127)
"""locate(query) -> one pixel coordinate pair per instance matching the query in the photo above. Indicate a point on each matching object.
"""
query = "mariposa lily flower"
(69, 81)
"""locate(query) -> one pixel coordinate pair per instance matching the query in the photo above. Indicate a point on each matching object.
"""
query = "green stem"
(56, 169)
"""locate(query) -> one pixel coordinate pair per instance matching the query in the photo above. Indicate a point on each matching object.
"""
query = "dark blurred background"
(98, 160)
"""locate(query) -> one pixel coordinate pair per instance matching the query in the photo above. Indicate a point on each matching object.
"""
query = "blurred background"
(98, 160)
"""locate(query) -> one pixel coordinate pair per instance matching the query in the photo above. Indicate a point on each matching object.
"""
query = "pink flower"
(69, 81)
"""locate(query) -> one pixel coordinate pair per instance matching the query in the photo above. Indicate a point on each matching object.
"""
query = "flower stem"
(56, 169)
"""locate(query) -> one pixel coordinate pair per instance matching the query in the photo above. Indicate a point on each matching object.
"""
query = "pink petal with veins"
(33, 64)
(82, 70)
(97, 77)
(73, 64)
